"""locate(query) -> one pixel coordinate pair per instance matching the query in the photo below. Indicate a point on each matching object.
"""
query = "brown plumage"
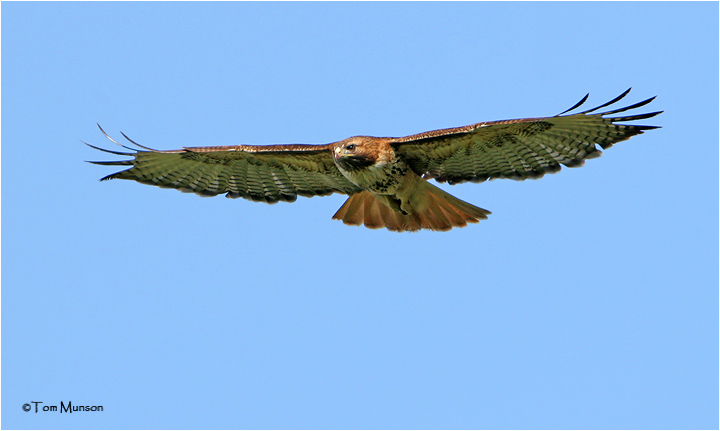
(386, 178)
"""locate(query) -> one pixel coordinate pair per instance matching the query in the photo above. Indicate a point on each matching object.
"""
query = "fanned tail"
(431, 208)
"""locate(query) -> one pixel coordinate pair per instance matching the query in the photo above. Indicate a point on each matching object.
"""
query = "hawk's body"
(386, 178)
(394, 196)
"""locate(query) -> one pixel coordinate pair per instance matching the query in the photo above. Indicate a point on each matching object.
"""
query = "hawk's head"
(356, 153)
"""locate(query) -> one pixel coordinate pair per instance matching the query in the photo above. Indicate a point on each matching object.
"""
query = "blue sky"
(589, 299)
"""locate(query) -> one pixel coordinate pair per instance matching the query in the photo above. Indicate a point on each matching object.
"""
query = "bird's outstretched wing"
(518, 149)
(267, 173)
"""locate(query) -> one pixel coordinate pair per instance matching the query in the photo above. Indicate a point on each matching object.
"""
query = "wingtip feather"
(583, 100)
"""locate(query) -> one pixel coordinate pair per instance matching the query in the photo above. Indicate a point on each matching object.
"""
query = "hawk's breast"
(381, 178)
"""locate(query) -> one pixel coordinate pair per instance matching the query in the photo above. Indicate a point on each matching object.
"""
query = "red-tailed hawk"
(386, 178)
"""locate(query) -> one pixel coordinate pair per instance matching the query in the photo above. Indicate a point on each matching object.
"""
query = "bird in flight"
(387, 178)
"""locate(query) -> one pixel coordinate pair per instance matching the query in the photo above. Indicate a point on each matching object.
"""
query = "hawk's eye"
(350, 147)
